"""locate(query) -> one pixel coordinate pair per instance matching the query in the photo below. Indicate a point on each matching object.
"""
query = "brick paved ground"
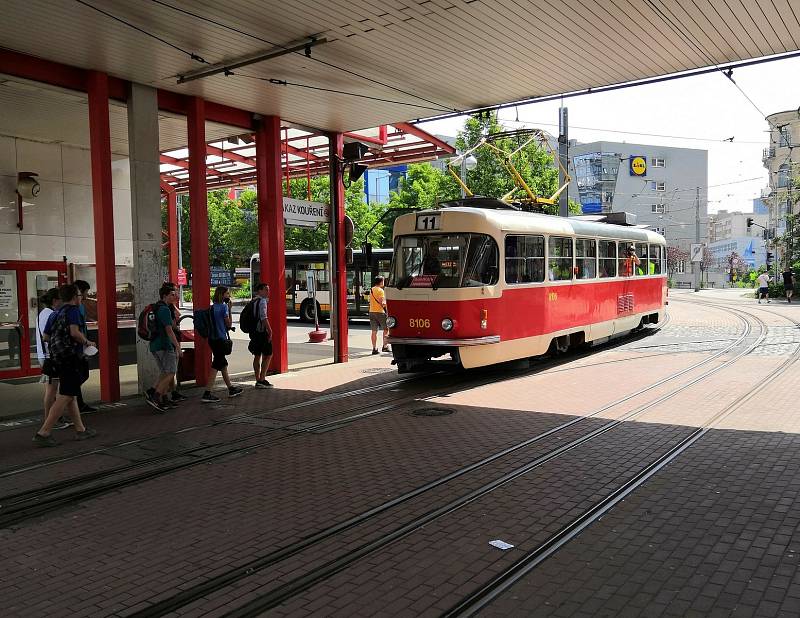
(713, 532)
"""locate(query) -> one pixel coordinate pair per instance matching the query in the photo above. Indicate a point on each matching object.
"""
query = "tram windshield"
(444, 261)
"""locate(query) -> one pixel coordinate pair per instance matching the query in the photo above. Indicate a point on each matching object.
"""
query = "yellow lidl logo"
(638, 166)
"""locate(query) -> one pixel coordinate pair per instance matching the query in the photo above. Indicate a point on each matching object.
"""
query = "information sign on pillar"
(105, 255)
(198, 225)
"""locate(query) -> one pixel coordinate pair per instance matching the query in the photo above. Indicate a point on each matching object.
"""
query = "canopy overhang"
(388, 62)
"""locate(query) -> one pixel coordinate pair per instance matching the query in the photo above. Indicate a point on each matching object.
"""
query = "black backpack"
(247, 319)
(63, 348)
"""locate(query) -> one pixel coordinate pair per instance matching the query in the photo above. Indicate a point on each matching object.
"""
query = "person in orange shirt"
(631, 260)
(377, 314)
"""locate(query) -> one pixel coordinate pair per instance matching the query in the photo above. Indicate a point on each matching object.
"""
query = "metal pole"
(696, 265)
(463, 177)
(179, 204)
(563, 156)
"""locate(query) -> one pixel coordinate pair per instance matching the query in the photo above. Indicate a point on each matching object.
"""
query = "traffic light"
(769, 258)
(749, 222)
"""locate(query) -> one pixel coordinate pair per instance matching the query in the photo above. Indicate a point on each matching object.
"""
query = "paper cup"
(90, 350)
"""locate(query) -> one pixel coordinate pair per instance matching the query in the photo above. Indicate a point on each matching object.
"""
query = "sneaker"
(176, 396)
(40, 440)
(385, 349)
(235, 391)
(150, 398)
(85, 434)
(209, 398)
(375, 352)
(87, 408)
(263, 384)
(168, 404)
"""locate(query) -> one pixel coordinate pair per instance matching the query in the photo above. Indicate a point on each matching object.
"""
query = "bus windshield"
(444, 261)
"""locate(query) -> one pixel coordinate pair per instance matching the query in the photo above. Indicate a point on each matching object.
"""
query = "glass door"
(10, 327)
(21, 286)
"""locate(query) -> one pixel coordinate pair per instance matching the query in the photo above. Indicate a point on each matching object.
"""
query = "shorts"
(788, 288)
(260, 344)
(763, 291)
(46, 379)
(377, 321)
(49, 369)
(167, 360)
(70, 379)
(218, 350)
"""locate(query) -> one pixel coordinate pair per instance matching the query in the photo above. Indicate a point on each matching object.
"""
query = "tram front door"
(21, 286)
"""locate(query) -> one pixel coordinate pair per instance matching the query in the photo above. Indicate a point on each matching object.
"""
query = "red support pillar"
(105, 257)
(172, 228)
(270, 233)
(198, 225)
(339, 266)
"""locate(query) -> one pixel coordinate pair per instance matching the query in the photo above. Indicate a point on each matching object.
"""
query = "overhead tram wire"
(191, 55)
(312, 58)
(648, 81)
(227, 73)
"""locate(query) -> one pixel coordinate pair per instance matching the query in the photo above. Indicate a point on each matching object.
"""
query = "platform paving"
(713, 533)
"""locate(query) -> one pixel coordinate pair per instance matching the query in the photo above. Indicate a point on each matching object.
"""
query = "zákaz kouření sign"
(305, 214)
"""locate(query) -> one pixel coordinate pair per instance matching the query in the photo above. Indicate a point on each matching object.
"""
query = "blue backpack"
(202, 322)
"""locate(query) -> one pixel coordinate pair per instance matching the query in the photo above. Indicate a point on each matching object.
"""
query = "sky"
(694, 112)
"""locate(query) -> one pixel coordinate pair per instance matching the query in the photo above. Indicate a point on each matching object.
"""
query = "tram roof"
(540, 223)
(385, 62)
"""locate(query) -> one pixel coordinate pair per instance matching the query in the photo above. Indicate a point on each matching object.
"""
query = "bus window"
(608, 258)
(559, 261)
(524, 259)
(586, 258)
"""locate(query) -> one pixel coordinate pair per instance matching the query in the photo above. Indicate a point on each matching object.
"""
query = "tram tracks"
(19, 506)
(284, 592)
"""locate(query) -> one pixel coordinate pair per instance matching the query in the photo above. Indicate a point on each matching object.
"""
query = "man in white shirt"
(763, 286)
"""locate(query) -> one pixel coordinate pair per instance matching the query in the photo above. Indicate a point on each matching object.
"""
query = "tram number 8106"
(419, 323)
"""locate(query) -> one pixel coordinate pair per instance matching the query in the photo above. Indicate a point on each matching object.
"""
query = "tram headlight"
(391, 322)
(448, 324)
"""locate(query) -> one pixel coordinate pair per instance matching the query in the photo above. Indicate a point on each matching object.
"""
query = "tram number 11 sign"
(428, 222)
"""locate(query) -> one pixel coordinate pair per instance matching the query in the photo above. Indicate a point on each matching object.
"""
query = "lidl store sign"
(638, 166)
(301, 213)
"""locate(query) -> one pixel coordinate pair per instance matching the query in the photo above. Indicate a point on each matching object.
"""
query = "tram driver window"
(524, 259)
(608, 258)
(559, 265)
(585, 258)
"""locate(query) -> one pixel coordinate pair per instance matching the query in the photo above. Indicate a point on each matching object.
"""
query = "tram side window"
(559, 265)
(586, 258)
(641, 253)
(608, 258)
(524, 259)
(654, 261)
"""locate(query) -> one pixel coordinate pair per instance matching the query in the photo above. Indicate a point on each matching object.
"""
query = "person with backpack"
(66, 344)
(83, 294)
(164, 347)
(221, 344)
(52, 303)
(260, 345)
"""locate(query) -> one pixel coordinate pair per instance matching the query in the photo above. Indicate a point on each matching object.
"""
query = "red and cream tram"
(478, 282)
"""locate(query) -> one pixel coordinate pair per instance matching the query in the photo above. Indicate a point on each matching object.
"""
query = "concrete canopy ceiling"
(406, 59)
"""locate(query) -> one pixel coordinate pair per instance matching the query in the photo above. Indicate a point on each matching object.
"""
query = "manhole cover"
(432, 411)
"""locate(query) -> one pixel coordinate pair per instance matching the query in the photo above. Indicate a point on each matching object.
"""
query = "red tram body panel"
(533, 281)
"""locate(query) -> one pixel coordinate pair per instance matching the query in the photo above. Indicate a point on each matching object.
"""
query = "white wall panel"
(122, 214)
(123, 248)
(46, 216)
(42, 159)
(76, 165)
(9, 247)
(8, 156)
(42, 247)
(78, 210)
(80, 250)
(8, 205)
(121, 174)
